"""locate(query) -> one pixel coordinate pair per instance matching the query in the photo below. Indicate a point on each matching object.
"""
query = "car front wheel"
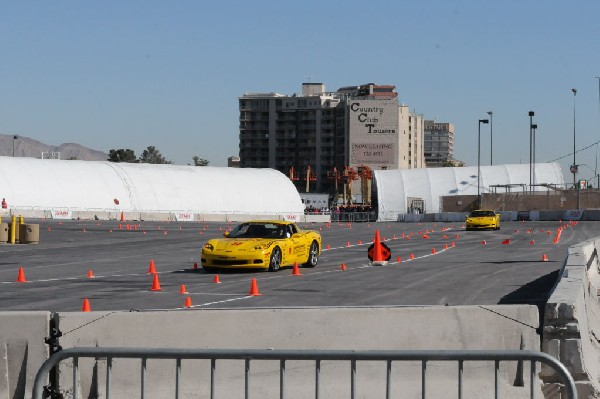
(275, 261)
(313, 255)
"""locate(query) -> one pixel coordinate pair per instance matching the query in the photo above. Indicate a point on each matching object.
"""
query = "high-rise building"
(314, 135)
(438, 144)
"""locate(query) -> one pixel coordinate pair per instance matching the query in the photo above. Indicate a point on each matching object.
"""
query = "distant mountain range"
(26, 147)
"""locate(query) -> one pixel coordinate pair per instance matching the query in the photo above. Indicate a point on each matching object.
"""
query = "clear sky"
(129, 74)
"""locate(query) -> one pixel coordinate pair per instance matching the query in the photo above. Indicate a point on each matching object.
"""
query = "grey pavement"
(468, 273)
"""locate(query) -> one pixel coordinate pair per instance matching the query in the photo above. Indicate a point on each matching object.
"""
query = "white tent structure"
(38, 184)
(394, 187)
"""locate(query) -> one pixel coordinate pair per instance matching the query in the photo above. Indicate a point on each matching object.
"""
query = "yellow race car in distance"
(262, 244)
(482, 219)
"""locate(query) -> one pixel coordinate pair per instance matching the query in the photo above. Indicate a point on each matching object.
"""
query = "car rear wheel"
(275, 261)
(313, 255)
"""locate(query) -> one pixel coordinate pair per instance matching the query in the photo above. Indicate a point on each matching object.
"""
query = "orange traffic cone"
(506, 242)
(378, 258)
(544, 258)
(122, 216)
(155, 284)
(343, 266)
(195, 265)
(296, 270)
(328, 246)
(398, 259)
(483, 242)
(151, 268)
(21, 276)
(412, 256)
(452, 244)
(90, 274)
(433, 251)
(445, 246)
(182, 289)
(188, 302)
(85, 307)
(532, 242)
(216, 280)
(254, 288)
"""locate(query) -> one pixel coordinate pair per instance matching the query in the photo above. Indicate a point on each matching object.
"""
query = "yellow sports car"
(268, 244)
(482, 219)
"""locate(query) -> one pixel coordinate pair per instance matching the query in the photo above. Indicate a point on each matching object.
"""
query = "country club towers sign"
(373, 132)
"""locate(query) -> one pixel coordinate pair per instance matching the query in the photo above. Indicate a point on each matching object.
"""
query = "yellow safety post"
(13, 229)
(21, 219)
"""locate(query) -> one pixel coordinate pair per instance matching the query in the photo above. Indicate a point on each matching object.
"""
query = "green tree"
(122, 155)
(152, 155)
(200, 161)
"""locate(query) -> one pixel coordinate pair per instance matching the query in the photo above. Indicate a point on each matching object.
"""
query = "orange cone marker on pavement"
(155, 284)
(343, 266)
(85, 307)
(188, 302)
(506, 242)
(195, 265)
(379, 254)
(254, 288)
(216, 279)
(544, 258)
(21, 276)
(183, 290)
(296, 270)
(90, 274)
(412, 256)
(151, 268)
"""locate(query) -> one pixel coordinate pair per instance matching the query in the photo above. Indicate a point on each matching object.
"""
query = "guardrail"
(39, 390)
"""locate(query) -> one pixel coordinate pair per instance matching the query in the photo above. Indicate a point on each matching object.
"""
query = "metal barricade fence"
(387, 357)
(354, 216)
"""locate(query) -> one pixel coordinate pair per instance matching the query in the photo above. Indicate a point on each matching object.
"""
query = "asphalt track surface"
(468, 273)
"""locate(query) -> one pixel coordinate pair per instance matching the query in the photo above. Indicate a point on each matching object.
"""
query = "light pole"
(14, 138)
(491, 114)
(531, 114)
(533, 128)
(479, 160)
(574, 166)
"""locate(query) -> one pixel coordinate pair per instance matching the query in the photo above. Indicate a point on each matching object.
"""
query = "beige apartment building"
(317, 134)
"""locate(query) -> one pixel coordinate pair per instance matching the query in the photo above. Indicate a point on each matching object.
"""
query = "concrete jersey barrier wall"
(22, 351)
(572, 321)
(312, 328)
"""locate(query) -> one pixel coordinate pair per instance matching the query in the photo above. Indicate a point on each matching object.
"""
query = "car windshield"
(258, 230)
(478, 214)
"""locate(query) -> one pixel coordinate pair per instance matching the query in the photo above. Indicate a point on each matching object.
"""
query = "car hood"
(237, 244)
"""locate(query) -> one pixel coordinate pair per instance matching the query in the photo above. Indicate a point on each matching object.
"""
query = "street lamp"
(533, 128)
(479, 160)
(491, 114)
(531, 114)
(574, 166)
(14, 138)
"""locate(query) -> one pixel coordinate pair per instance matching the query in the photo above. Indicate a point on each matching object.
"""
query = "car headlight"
(209, 247)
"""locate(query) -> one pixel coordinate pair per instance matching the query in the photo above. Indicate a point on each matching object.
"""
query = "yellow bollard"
(21, 220)
(13, 229)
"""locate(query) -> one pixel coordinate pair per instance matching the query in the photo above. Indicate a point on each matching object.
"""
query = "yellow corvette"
(262, 244)
(482, 219)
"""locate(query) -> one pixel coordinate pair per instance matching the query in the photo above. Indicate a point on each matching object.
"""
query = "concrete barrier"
(311, 328)
(22, 351)
(572, 321)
